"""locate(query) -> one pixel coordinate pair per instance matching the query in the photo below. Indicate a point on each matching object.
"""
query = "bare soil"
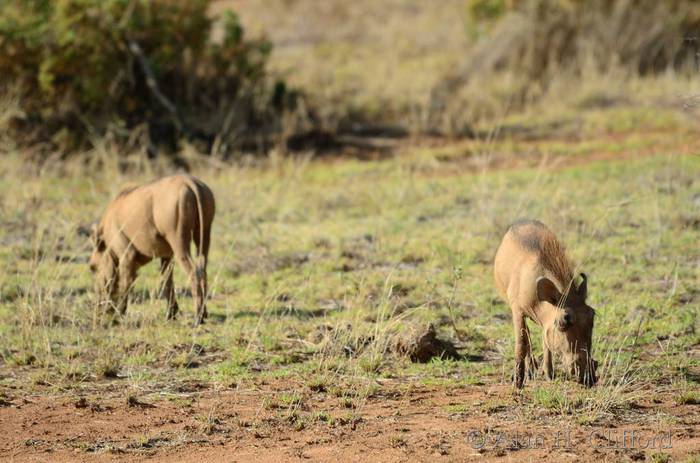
(402, 421)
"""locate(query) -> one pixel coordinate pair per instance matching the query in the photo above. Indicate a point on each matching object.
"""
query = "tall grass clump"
(522, 48)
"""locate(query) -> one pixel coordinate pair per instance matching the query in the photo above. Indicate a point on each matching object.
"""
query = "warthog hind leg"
(167, 289)
(196, 277)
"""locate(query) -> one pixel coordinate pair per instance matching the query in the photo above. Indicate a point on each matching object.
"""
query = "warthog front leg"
(127, 275)
(106, 282)
(522, 347)
(531, 365)
(107, 290)
(547, 357)
(167, 289)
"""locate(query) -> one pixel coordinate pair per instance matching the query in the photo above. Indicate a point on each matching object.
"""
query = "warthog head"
(103, 267)
(572, 327)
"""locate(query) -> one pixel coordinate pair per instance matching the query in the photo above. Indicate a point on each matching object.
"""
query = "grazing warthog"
(536, 278)
(157, 220)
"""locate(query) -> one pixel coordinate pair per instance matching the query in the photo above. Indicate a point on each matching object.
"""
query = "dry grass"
(414, 64)
(302, 246)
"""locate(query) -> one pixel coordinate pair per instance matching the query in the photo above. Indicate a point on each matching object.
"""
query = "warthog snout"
(587, 371)
(583, 368)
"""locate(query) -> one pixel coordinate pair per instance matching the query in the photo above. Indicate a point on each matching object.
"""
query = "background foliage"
(81, 68)
(77, 71)
(533, 43)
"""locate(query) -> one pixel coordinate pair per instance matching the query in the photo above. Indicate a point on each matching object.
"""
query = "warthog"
(534, 275)
(156, 220)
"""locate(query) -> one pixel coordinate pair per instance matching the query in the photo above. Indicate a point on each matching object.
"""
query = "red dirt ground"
(401, 422)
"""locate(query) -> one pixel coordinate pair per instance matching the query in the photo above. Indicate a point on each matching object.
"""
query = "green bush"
(85, 68)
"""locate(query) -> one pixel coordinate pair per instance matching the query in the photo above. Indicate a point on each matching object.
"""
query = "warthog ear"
(547, 291)
(583, 287)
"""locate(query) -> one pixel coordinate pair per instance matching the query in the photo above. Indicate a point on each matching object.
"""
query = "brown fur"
(157, 220)
(535, 277)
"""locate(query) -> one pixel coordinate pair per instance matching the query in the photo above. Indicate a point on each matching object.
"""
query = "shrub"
(160, 68)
